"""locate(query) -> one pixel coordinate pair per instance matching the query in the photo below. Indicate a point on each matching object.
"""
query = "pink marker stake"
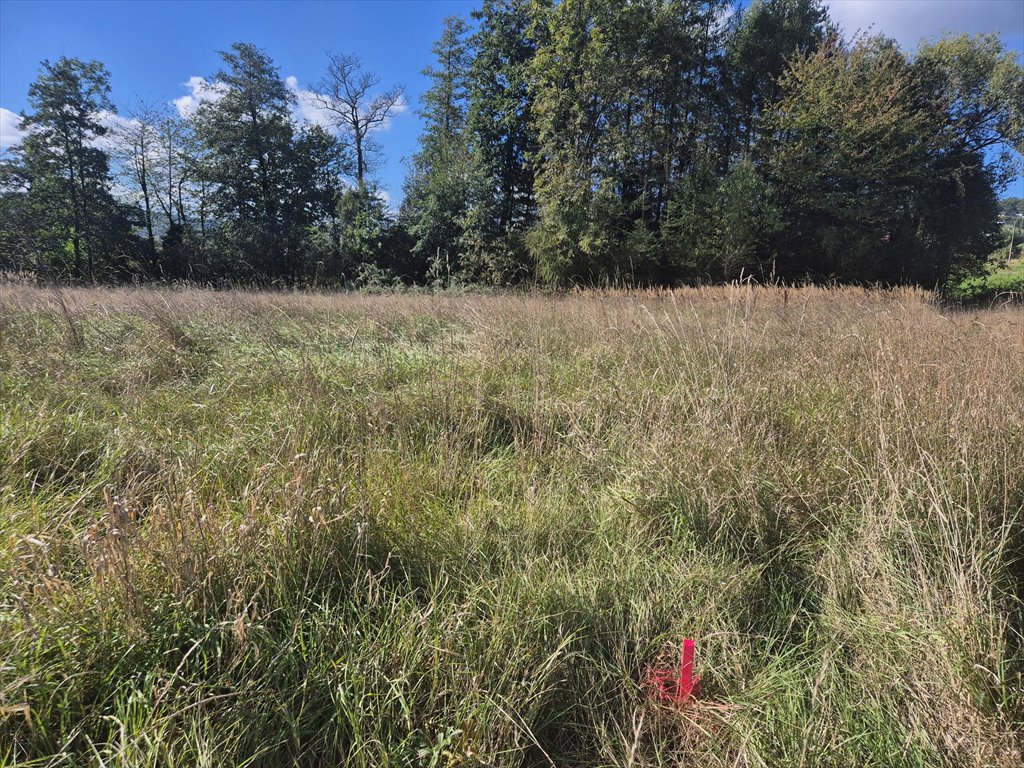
(686, 670)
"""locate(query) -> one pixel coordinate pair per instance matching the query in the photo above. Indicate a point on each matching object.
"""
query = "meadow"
(286, 529)
(1006, 280)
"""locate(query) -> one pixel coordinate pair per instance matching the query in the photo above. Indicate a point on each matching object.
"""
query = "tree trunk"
(76, 237)
(143, 183)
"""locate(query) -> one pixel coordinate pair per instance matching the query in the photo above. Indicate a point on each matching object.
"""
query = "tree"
(24, 241)
(765, 38)
(746, 220)
(68, 199)
(175, 167)
(503, 139)
(1011, 207)
(439, 189)
(845, 146)
(978, 85)
(575, 141)
(182, 196)
(346, 93)
(878, 160)
(624, 96)
(137, 148)
(364, 226)
(721, 229)
(270, 180)
(500, 98)
(978, 88)
(567, 118)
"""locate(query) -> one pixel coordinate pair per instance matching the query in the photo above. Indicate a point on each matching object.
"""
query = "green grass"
(1009, 278)
(1006, 278)
(303, 530)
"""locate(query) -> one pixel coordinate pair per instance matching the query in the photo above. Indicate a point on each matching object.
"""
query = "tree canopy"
(572, 142)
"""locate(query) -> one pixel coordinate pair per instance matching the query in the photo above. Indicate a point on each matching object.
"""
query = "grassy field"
(1006, 278)
(304, 530)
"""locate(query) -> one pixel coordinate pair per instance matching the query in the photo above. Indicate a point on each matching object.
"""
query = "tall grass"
(268, 530)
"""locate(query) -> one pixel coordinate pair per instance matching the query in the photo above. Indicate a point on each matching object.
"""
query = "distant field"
(1007, 278)
(441, 530)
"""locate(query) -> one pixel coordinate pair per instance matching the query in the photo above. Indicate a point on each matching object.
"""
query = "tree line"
(574, 142)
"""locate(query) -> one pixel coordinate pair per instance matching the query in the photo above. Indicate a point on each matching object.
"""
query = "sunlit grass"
(287, 529)
(1005, 279)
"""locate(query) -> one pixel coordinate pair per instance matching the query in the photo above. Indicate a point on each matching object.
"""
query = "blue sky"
(153, 49)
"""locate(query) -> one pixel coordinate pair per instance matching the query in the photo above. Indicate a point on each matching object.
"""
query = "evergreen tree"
(439, 188)
(363, 231)
(503, 139)
(624, 104)
(767, 35)
(78, 228)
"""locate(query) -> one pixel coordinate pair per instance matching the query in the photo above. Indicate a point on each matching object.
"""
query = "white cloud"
(116, 126)
(910, 21)
(200, 90)
(399, 107)
(308, 107)
(307, 110)
(10, 128)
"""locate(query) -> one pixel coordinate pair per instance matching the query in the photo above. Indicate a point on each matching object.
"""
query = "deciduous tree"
(271, 181)
(347, 93)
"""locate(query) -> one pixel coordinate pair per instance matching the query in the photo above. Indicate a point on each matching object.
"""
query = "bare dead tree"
(174, 167)
(136, 147)
(346, 94)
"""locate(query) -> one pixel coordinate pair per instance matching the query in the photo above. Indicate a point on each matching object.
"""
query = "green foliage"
(1011, 207)
(469, 194)
(1003, 280)
(503, 134)
(439, 190)
(873, 183)
(978, 85)
(720, 229)
(567, 115)
(500, 102)
(745, 218)
(768, 34)
(58, 204)
(270, 182)
(848, 146)
(623, 101)
(363, 223)
(649, 142)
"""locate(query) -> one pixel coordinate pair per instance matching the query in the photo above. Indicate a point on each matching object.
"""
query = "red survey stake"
(677, 685)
